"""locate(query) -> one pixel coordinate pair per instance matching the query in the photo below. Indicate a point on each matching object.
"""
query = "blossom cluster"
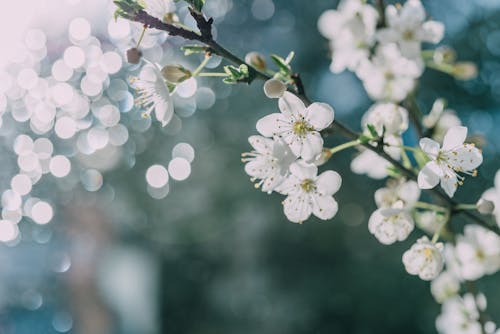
(285, 157)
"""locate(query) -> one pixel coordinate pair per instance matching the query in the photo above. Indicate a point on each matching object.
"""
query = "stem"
(429, 206)
(141, 37)
(411, 149)
(466, 207)
(436, 235)
(344, 146)
(206, 38)
(212, 74)
(201, 67)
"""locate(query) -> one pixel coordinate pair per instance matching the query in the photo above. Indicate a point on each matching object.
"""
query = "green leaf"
(364, 139)
(283, 67)
(372, 130)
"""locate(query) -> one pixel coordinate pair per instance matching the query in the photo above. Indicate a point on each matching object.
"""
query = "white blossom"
(372, 164)
(408, 28)
(268, 162)
(388, 75)
(298, 126)
(399, 193)
(447, 161)
(153, 94)
(477, 252)
(493, 194)
(424, 259)
(445, 286)
(459, 315)
(309, 193)
(388, 116)
(351, 31)
(389, 225)
(159, 8)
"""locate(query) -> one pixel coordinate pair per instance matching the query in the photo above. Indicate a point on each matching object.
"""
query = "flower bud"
(256, 60)
(175, 73)
(465, 70)
(485, 207)
(274, 88)
(323, 157)
(444, 54)
(134, 55)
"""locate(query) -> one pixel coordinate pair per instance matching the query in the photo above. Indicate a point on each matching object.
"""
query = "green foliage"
(236, 74)
(284, 68)
(127, 8)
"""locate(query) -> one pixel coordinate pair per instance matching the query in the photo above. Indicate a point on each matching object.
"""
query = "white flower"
(459, 315)
(389, 225)
(268, 162)
(447, 161)
(373, 165)
(408, 27)
(389, 76)
(493, 194)
(159, 8)
(424, 259)
(297, 125)
(153, 94)
(309, 193)
(351, 31)
(397, 194)
(440, 120)
(388, 116)
(478, 252)
(444, 286)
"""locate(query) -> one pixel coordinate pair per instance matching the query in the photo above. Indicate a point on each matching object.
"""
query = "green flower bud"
(175, 73)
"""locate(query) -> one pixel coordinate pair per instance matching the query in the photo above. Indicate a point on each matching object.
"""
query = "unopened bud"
(171, 18)
(465, 70)
(444, 54)
(274, 88)
(256, 60)
(175, 73)
(323, 157)
(485, 206)
(134, 55)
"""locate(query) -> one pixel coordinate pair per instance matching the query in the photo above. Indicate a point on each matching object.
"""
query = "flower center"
(389, 76)
(301, 128)
(428, 253)
(408, 35)
(308, 185)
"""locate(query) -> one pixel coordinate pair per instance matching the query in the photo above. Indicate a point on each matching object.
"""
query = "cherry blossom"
(424, 259)
(447, 161)
(407, 27)
(268, 162)
(298, 126)
(309, 193)
(460, 315)
(388, 116)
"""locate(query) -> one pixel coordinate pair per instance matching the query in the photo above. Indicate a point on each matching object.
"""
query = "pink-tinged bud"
(256, 60)
(465, 70)
(175, 73)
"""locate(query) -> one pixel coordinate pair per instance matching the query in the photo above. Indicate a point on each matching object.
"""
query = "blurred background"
(215, 255)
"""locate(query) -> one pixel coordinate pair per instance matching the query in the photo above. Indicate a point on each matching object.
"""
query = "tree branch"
(206, 38)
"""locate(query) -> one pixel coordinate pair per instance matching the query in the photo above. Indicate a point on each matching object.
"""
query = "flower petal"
(297, 208)
(449, 184)
(303, 170)
(164, 111)
(312, 146)
(428, 177)
(454, 137)
(271, 125)
(261, 144)
(319, 115)
(430, 147)
(324, 207)
(291, 106)
(432, 32)
(465, 158)
(328, 182)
